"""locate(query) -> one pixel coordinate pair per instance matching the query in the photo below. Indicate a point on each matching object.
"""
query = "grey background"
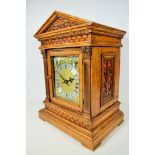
(43, 138)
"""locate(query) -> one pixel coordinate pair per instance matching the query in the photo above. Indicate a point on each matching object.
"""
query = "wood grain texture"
(44, 54)
(98, 48)
(96, 74)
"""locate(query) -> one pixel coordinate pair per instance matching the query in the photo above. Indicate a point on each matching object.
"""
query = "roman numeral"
(76, 91)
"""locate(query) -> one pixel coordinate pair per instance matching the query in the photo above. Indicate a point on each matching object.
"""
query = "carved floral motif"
(107, 78)
(86, 51)
(61, 23)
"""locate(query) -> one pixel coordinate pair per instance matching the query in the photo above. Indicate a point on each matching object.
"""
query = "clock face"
(66, 80)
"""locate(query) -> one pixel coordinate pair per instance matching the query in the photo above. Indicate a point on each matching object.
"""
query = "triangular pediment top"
(58, 21)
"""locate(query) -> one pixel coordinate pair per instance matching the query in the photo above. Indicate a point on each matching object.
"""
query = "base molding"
(90, 138)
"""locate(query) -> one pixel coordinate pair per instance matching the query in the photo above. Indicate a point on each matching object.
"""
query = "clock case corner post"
(86, 62)
(44, 55)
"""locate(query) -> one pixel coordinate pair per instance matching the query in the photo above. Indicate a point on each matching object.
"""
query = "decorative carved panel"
(69, 38)
(61, 23)
(69, 117)
(107, 77)
(86, 51)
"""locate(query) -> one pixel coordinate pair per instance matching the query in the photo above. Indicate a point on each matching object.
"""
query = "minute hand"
(65, 81)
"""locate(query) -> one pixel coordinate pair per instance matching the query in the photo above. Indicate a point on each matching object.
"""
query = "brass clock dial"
(67, 78)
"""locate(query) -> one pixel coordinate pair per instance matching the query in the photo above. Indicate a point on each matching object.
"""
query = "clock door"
(65, 82)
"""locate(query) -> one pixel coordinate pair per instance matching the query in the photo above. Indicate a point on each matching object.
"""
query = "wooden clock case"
(98, 48)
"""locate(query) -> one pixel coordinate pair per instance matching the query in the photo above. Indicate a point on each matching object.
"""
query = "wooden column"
(44, 54)
(87, 52)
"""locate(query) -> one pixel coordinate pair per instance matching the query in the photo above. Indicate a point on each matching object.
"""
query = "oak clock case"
(81, 67)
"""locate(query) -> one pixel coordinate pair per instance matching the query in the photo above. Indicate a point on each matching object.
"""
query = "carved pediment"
(61, 23)
(58, 21)
(61, 27)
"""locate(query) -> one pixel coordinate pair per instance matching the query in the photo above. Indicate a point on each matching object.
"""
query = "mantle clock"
(81, 66)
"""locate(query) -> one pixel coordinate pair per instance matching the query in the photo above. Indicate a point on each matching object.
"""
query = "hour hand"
(66, 82)
(71, 79)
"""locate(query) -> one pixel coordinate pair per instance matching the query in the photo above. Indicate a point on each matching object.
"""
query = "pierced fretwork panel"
(107, 73)
(61, 23)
